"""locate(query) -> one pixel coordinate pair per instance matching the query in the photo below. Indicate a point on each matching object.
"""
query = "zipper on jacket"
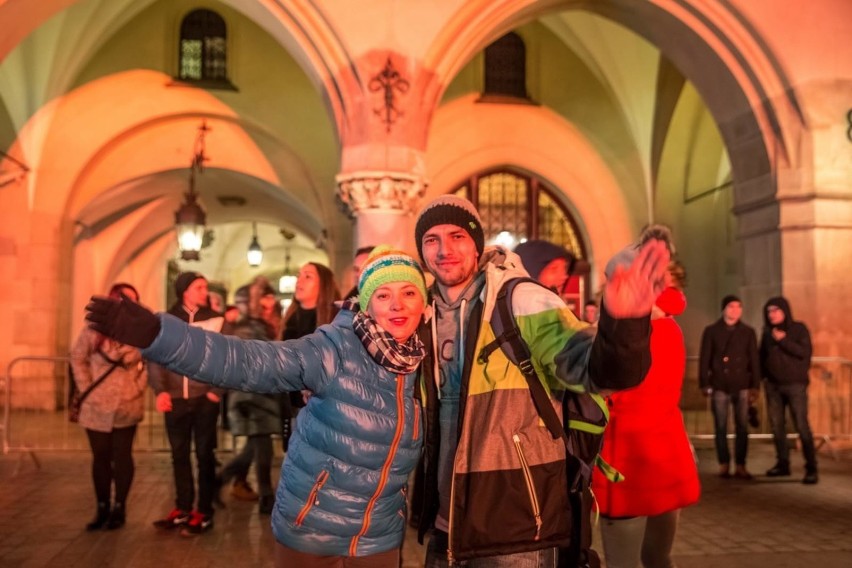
(313, 497)
(383, 478)
(416, 429)
(530, 486)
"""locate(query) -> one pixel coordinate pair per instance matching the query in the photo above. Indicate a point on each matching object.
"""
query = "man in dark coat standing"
(729, 373)
(785, 358)
(191, 411)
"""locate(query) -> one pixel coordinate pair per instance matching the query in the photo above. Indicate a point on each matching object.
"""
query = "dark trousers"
(112, 460)
(191, 420)
(722, 401)
(258, 449)
(778, 398)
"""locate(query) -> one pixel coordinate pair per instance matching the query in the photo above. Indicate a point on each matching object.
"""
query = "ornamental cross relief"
(390, 81)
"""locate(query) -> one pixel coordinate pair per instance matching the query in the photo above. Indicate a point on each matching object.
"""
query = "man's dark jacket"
(728, 359)
(178, 386)
(785, 362)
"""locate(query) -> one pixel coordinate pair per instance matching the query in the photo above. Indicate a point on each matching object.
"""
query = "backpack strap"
(508, 338)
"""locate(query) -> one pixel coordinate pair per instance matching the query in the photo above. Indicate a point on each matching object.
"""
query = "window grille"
(506, 67)
(203, 47)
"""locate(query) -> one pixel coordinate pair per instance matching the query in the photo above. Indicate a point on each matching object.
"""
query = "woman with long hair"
(110, 413)
(313, 301)
(312, 306)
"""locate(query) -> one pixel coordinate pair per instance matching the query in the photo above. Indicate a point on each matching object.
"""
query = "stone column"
(383, 205)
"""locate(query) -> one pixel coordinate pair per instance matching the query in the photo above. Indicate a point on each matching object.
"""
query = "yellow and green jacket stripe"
(509, 489)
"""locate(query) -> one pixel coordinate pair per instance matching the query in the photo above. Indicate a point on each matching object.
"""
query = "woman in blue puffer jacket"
(342, 490)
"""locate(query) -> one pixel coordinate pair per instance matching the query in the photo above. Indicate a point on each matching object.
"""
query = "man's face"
(590, 313)
(450, 255)
(196, 294)
(554, 274)
(732, 313)
(775, 315)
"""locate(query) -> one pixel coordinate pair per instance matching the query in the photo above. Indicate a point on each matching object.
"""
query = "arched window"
(516, 207)
(203, 48)
(506, 67)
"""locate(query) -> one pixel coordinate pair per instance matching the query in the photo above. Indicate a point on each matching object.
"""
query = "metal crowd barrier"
(829, 404)
(35, 392)
(35, 415)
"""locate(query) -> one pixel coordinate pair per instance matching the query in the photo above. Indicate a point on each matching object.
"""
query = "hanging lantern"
(254, 255)
(190, 218)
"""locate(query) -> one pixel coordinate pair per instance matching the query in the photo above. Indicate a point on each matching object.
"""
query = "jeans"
(778, 397)
(258, 449)
(721, 402)
(112, 460)
(436, 557)
(193, 419)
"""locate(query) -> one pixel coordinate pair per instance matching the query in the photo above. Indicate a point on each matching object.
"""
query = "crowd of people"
(388, 387)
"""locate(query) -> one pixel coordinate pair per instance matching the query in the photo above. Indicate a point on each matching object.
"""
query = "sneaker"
(242, 491)
(176, 518)
(781, 469)
(199, 523)
(811, 478)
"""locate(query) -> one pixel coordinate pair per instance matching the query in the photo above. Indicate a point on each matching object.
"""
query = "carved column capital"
(380, 191)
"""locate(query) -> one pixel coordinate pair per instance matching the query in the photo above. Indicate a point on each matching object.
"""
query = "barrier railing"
(35, 417)
(35, 391)
(829, 404)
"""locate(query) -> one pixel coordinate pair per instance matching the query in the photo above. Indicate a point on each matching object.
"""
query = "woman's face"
(398, 308)
(267, 301)
(308, 287)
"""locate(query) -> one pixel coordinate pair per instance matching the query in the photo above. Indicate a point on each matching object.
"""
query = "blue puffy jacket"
(343, 482)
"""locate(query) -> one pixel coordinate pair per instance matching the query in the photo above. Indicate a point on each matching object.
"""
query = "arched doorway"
(516, 207)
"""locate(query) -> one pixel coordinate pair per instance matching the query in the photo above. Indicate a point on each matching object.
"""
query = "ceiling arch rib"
(299, 26)
(712, 46)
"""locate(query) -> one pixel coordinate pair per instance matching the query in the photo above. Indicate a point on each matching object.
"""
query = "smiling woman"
(342, 488)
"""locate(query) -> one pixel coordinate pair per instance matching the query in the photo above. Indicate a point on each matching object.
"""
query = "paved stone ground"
(763, 523)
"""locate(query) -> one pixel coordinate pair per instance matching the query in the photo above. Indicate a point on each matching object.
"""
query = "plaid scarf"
(402, 358)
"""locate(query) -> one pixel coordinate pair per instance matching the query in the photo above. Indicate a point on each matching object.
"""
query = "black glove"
(123, 320)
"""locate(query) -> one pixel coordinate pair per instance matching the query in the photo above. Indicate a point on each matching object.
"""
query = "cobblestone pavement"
(762, 523)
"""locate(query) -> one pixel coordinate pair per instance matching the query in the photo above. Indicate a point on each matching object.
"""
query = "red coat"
(646, 439)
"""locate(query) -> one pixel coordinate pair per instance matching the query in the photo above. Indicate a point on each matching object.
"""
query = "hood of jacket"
(782, 303)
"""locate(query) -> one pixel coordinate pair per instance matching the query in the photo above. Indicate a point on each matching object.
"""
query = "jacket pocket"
(528, 480)
(313, 498)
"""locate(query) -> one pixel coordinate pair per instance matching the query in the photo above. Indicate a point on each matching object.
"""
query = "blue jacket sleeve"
(247, 365)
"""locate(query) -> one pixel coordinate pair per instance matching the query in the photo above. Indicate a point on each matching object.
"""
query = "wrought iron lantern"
(190, 218)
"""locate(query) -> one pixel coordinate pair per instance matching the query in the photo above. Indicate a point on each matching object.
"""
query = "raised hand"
(631, 292)
(123, 320)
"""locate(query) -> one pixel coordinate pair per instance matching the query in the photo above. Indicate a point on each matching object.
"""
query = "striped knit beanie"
(385, 265)
(450, 210)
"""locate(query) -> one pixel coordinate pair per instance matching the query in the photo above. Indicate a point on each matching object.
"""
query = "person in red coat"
(647, 442)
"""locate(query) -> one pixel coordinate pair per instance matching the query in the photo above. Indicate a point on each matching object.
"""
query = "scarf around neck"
(387, 352)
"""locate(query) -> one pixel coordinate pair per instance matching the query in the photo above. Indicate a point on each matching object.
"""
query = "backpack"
(585, 416)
